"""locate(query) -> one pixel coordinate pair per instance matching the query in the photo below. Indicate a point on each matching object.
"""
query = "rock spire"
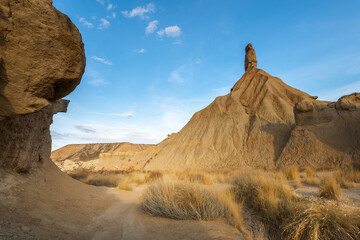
(250, 58)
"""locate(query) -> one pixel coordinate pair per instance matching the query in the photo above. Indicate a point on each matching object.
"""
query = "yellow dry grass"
(329, 188)
(201, 177)
(310, 176)
(323, 220)
(292, 173)
(346, 179)
(124, 186)
(186, 200)
(266, 193)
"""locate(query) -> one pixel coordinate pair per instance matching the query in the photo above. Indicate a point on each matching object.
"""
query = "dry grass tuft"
(291, 172)
(310, 176)
(185, 200)
(124, 186)
(200, 177)
(329, 188)
(321, 220)
(111, 180)
(155, 175)
(345, 179)
(266, 193)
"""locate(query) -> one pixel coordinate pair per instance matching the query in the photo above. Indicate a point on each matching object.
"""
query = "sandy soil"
(50, 205)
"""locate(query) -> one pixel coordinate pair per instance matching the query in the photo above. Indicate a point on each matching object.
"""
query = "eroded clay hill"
(262, 123)
(97, 156)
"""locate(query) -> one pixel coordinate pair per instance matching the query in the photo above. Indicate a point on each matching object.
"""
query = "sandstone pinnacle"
(250, 57)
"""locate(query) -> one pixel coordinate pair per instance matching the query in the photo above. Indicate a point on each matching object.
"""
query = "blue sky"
(152, 64)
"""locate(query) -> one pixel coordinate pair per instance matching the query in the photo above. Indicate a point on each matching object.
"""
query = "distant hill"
(95, 156)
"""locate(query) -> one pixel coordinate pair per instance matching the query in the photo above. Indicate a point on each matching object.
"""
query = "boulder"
(42, 56)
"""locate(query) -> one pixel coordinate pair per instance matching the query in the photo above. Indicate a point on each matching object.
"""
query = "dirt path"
(51, 205)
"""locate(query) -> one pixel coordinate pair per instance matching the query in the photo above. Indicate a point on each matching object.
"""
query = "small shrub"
(266, 193)
(322, 220)
(353, 175)
(329, 188)
(201, 177)
(345, 179)
(291, 172)
(111, 180)
(309, 172)
(155, 175)
(310, 175)
(184, 200)
(124, 186)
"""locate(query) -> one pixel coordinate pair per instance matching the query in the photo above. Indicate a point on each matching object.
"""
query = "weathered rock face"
(41, 60)
(41, 56)
(25, 141)
(250, 57)
(326, 135)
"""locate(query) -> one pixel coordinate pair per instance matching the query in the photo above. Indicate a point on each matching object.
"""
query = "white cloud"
(198, 61)
(104, 24)
(109, 7)
(102, 2)
(123, 115)
(95, 78)
(140, 11)
(86, 23)
(102, 60)
(151, 27)
(171, 31)
(140, 50)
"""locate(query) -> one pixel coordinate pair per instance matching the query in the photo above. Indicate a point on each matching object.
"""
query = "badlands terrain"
(266, 161)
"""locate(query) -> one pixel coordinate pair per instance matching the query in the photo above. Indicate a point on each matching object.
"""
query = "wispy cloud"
(102, 2)
(140, 11)
(85, 128)
(182, 74)
(126, 114)
(140, 50)
(335, 93)
(122, 115)
(171, 31)
(109, 7)
(112, 16)
(178, 42)
(152, 26)
(175, 76)
(104, 24)
(102, 60)
(221, 91)
(85, 22)
(95, 78)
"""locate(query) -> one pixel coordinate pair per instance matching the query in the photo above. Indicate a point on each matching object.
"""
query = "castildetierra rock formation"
(250, 57)
(262, 123)
(42, 59)
(41, 56)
